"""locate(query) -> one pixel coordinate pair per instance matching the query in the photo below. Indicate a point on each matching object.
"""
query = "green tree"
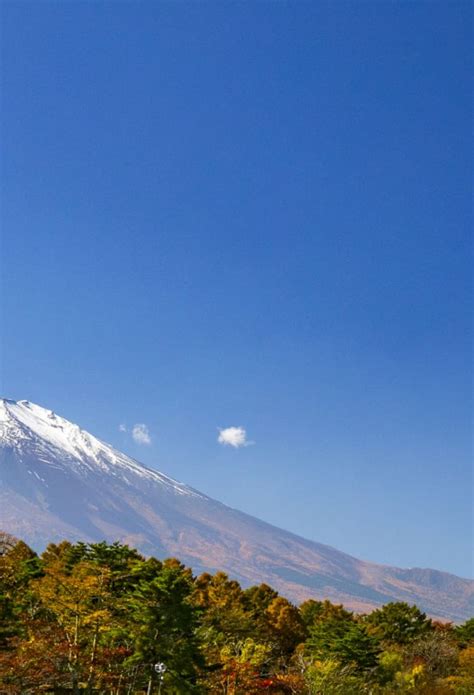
(19, 565)
(163, 624)
(465, 633)
(340, 637)
(398, 623)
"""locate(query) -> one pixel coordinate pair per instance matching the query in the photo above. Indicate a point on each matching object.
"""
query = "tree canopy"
(100, 618)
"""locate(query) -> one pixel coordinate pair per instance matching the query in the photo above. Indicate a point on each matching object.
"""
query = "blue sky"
(252, 215)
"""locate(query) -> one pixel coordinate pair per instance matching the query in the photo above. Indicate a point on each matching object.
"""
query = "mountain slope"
(58, 481)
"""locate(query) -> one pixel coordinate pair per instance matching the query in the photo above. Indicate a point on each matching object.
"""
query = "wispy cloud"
(141, 434)
(233, 436)
(123, 428)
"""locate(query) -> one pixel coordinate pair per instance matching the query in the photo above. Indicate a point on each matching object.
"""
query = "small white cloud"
(233, 436)
(123, 428)
(141, 434)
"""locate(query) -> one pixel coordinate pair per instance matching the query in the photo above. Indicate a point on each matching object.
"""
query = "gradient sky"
(252, 214)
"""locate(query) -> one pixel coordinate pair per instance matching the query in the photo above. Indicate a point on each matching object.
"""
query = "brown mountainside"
(58, 481)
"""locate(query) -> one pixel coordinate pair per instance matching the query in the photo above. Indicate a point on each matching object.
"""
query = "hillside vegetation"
(100, 618)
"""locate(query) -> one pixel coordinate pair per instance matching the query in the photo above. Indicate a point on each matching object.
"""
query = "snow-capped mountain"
(58, 481)
(39, 435)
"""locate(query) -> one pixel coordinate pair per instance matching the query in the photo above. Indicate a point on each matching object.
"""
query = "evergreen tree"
(465, 633)
(163, 625)
(345, 639)
(398, 623)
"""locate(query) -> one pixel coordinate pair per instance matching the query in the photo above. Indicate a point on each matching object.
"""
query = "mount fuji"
(58, 481)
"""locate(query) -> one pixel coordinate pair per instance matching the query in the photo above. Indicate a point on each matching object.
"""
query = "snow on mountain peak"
(28, 427)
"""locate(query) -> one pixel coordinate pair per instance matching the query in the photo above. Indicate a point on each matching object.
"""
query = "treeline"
(101, 618)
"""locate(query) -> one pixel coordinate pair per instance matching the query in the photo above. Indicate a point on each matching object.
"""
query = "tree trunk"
(92, 660)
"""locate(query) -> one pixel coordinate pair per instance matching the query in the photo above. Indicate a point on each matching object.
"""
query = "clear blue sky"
(252, 214)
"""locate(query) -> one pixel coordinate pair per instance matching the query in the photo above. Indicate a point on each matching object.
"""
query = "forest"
(101, 618)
